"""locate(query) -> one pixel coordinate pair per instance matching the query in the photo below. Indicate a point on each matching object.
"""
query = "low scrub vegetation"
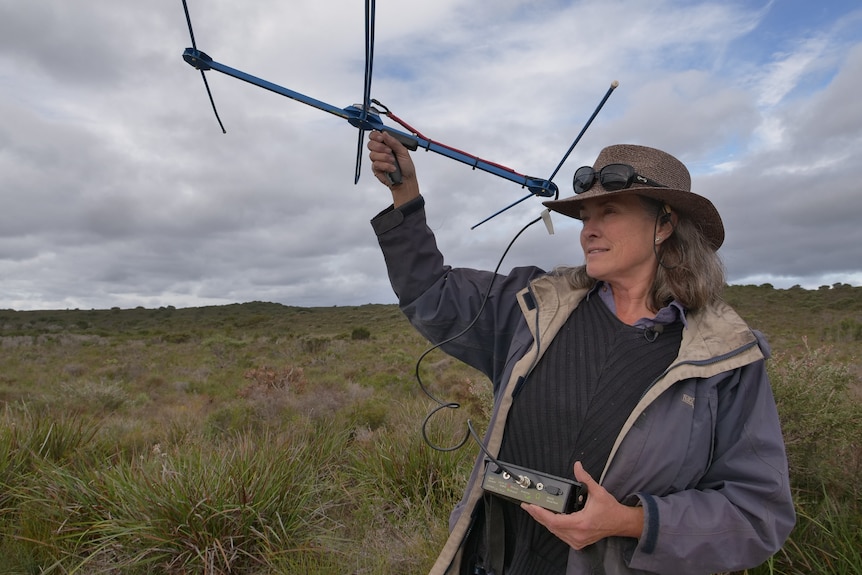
(266, 439)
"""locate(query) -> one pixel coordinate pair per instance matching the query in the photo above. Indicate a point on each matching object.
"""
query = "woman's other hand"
(602, 516)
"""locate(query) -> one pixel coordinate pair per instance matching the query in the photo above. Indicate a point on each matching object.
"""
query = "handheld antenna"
(365, 117)
(194, 45)
(370, 10)
(613, 87)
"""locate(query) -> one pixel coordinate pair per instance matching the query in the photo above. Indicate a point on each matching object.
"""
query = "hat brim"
(697, 209)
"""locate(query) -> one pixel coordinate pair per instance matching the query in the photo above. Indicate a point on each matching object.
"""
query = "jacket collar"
(712, 332)
(667, 315)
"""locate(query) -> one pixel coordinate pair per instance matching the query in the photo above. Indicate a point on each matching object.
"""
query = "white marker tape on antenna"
(549, 225)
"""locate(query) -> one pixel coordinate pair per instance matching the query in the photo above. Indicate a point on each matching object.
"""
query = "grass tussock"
(233, 506)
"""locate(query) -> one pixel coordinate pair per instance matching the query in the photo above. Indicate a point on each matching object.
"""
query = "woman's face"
(618, 239)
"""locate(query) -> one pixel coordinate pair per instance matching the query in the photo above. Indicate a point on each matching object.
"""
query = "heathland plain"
(260, 438)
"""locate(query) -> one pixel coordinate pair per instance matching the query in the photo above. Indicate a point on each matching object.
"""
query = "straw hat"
(661, 168)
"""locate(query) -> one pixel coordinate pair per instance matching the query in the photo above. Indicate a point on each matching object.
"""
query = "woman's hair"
(689, 270)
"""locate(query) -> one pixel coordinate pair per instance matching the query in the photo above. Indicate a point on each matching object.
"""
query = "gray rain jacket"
(702, 452)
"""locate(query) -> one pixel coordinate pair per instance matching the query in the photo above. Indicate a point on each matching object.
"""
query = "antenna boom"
(369, 119)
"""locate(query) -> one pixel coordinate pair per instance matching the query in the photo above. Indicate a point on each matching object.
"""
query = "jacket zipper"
(709, 361)
(702, 362)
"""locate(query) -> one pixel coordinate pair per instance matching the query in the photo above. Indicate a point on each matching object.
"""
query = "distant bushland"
(262, 438)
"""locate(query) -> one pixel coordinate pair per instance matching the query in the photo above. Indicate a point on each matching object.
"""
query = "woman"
(627, 374)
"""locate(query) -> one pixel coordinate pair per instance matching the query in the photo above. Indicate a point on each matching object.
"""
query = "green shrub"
(848, 329)
(821, 421)
(180, 337)
(315, 345)
(360, 333)
(103, 396)
(229, 419)
(371, 413)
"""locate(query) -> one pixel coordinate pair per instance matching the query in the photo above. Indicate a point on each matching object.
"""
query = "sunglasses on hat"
(613, 177)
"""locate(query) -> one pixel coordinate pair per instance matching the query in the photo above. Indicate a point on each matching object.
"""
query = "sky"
(118, 188)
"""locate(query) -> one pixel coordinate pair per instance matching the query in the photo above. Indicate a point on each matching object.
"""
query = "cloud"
(120, 189)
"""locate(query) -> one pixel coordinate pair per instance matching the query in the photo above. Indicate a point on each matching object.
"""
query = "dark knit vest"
(572, 408)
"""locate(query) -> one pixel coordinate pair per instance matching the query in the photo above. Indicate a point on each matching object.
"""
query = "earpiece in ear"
(666, 215)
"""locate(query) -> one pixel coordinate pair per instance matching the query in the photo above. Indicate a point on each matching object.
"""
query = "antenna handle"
(395, 178)
(411, 144)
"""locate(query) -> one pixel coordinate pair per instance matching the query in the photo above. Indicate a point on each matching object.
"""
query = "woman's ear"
(667, 218)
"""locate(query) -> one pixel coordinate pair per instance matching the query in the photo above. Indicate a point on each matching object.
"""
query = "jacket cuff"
(392, 217)
(649, 538)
